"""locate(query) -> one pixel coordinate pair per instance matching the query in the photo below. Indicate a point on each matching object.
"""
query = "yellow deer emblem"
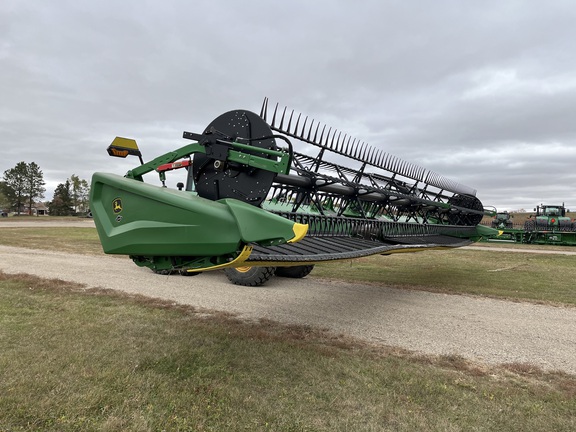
(117, 205)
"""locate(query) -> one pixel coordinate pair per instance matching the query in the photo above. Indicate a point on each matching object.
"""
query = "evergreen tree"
(15, 185)
(24, 182)
(62, 203)
(34, 184)
(4, 202)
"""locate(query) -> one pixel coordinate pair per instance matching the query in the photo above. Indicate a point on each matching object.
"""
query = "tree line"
(23, 186)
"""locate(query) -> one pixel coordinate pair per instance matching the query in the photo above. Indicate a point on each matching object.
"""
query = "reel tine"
(303, 129)
(347, 144)
(316, 131)
(330, 139)
(282, 119)
(264, 109)
(369, 155)
(403, 167)
(366, 153)
(295, 133)
(332, 145)
(327, 137)
(373, 155)
(426, 177)
(290, 121)
(341, 143)
(274, 116)
(336, 145)
(360, 149)
(378, 161)
(419, 174)
(395, 165)
(381, 157)
(392, 163)
(322, 134)
(386, 161)
(310, 130)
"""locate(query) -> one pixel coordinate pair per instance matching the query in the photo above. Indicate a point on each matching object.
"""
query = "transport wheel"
(249, 276)
(295, 272)
(529, 225)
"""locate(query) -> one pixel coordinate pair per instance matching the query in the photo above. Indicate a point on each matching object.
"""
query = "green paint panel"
(135, 218)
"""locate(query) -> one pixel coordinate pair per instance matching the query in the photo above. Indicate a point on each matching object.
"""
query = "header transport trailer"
(276, 193)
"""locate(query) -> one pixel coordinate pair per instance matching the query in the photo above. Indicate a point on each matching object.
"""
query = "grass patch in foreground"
(74, 360)
(513, 275)
(64, 239)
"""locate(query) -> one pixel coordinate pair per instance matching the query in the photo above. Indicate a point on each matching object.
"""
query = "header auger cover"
(277, 189)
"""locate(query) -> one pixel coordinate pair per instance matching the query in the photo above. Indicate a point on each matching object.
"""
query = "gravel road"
(483, 330)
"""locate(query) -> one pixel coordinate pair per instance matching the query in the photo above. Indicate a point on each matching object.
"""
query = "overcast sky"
(483, 93)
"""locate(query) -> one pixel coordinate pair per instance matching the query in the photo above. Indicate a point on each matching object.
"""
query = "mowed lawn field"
(75, 359)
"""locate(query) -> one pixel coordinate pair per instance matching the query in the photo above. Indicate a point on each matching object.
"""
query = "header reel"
(381, 186)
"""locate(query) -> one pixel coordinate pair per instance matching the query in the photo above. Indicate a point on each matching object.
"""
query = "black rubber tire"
(295, 272)
(249, 276)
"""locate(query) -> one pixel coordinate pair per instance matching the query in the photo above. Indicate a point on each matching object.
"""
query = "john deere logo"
(117, 205)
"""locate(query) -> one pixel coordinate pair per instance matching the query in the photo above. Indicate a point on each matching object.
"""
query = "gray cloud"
(483, 93)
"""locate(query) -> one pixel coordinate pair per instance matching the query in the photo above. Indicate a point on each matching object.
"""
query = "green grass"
(526, 276)
(512, 275)
(65, 239)
(99, 361)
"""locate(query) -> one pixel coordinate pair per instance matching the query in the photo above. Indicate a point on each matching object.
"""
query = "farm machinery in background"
(549, 225)
(276, 193)
(502, 220)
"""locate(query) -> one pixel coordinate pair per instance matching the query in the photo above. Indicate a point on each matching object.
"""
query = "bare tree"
(79, 193)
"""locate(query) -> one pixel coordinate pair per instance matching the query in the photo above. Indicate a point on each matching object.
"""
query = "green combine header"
(264, 197)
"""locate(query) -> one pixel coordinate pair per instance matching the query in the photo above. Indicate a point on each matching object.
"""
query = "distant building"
(38, 209)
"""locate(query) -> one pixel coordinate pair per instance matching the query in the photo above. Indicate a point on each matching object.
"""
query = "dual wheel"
(256, 276)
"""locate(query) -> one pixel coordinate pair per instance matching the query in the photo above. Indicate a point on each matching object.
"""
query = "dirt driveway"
(483, 330)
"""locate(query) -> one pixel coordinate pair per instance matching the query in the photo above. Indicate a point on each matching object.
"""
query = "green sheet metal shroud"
(139, 219)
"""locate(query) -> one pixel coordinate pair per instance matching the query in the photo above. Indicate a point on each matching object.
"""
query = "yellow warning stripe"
(243, 256)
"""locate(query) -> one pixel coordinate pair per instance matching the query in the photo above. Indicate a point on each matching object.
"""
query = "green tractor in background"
(502, 220)
(550, 218)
